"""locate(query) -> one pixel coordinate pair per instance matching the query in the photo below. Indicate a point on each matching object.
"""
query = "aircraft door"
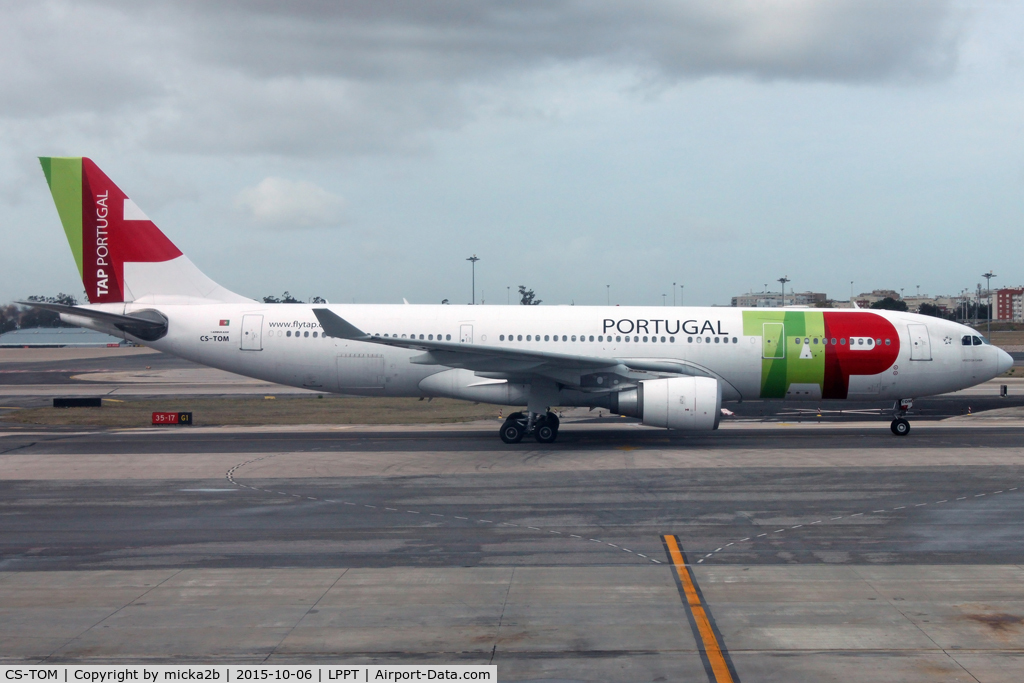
(252, 333)
(360, 371)
(773, 341)
(920, 345)
(466, 334)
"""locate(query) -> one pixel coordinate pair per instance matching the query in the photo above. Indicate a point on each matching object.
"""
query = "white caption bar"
(122, 673)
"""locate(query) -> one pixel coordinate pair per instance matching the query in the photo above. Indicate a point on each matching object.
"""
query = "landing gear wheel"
(553, 420)
(900, 427)
(545, 432)
(512, 431)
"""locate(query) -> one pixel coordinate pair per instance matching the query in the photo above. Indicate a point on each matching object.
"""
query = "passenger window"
(833, 340)
(662, 340)
(672, 340)
(699, 340)
(314, 335)
(289, 333)
(887, 342)
(734, 340)
(421, 336)
(716, 340)
(574, 337)
(545, 338)
(689, 339)
(645, 338)
(618, 339)
(843, 341)
(529, 337)
(447, 337)
(501, 338)
(306, 333)
(707, 340)
(520, 338)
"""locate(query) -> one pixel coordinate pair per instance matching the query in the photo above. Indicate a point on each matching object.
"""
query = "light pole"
(473, 259)
(664, 298)
(988, 287)
(851, 290)
(608, 291)
(682, 291)
(784, 280)
(673, 294)
(508, 295)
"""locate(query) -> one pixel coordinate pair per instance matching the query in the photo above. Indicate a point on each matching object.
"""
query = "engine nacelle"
(691, 403)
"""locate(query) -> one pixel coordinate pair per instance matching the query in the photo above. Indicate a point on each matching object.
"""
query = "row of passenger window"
(428, 337)
(854, 341)
(617, 338)
(299, 334)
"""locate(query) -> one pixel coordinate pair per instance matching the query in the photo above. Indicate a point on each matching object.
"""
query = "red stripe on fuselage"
(841, 361)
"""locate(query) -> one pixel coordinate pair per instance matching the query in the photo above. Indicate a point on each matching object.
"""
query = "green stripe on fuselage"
(64, 176)
(777, 374)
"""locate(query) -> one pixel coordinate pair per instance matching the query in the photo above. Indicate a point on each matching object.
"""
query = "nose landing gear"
(899, 425)
(544, 428)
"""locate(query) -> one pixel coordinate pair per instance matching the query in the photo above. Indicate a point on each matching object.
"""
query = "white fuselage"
(284, 343)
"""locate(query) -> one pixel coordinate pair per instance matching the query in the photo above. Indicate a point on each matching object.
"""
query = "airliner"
(671, 367)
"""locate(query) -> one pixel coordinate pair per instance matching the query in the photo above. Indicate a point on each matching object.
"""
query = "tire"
(900, 427)
(545, 432)
(512, 432)
(552, 420)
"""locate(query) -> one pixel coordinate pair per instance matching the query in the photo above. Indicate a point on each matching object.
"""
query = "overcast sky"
(363, 150)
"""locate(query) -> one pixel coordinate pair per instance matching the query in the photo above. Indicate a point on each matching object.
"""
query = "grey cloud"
(840, 40)
(61, 58)
(307, 78)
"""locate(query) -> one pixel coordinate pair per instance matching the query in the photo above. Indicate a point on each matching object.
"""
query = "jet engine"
(690, 403)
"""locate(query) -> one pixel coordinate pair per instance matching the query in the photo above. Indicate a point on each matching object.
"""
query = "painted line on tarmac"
(717, 662)
(860, 514)
(230, 477)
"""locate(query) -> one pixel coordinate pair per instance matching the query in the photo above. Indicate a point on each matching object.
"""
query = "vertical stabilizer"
(120, 253)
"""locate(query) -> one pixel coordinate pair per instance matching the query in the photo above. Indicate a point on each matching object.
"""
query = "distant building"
(774, 299)
(1009, 304)
(865, 299)
(57, 337)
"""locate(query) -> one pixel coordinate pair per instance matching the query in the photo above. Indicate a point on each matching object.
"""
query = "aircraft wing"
(498, 361)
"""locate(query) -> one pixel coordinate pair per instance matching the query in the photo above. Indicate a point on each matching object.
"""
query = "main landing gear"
(543, 427)
(900, 426)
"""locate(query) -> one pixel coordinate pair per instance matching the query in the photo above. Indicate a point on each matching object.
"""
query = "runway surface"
(816, 552)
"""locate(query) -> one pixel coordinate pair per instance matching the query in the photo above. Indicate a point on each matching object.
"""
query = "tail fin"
(121, 255)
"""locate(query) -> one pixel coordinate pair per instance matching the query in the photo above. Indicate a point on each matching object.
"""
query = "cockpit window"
(966, 340)
(978, 341)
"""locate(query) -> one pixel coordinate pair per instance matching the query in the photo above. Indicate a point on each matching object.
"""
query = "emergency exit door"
(773, 341)
(252, 333)
(920, 344)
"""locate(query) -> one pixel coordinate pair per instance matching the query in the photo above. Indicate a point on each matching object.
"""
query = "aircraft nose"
(1005, 361)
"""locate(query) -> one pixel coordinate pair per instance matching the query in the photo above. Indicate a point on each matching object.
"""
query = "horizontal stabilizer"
(147, 325)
